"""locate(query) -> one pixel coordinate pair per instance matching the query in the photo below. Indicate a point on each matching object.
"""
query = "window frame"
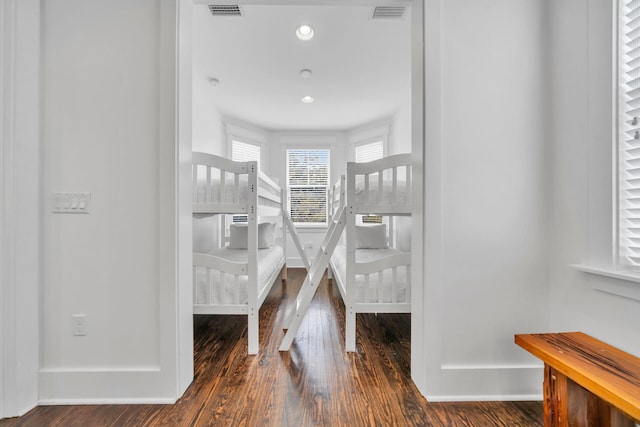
(625, 250)
(235, 140)
(359, 145)
(328, 150)
(247, 134)
(369, 134)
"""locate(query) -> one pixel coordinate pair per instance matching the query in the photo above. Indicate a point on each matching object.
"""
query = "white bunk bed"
(236, 277)
(372, 269)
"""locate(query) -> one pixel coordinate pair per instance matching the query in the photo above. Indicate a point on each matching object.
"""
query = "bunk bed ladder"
(296, 239)
(314, 275)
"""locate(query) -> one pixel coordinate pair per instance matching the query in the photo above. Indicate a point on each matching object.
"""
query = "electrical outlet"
(79, 324)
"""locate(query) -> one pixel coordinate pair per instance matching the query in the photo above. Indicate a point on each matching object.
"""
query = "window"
(369, 151)
(307, 183)
(629, 134)
(243, 152)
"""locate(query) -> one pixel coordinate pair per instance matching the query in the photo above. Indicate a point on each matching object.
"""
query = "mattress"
(222, 288)
(368, 292)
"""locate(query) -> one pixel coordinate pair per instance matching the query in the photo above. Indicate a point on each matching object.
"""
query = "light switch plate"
(78, 203)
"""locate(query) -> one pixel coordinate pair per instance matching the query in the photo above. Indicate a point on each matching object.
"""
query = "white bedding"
(221, 288)
(369, 293)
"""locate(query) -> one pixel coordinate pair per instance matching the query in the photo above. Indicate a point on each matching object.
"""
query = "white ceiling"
(361, 67)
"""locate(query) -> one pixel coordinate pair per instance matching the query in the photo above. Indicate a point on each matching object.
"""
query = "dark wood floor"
(316, 383)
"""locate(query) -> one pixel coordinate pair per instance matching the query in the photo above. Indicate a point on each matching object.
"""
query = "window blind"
(244, 152)
(369, 152)
(308, 182)
(629, 132)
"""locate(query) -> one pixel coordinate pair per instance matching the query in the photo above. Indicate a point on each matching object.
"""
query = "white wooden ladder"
(296, 239)
(311, 281)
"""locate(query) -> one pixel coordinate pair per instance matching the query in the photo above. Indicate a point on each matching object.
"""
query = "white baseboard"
(296, 262)
(137, 401)
(135, 385)
(486, 398)
(487, 382)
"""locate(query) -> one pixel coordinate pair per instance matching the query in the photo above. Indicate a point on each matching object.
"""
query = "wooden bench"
(586, 381)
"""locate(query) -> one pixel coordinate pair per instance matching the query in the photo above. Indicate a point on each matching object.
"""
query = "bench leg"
(569, 404)
(555, 391)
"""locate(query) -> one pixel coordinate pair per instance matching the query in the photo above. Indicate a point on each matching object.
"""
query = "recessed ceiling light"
(307, 99)
(304, 32)
(305, 73)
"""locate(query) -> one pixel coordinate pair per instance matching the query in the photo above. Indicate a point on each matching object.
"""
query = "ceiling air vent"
(388, 12)
(225, 10)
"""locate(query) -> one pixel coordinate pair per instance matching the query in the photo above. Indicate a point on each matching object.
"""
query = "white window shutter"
(369, 152)
(629, 133)
(244, 152)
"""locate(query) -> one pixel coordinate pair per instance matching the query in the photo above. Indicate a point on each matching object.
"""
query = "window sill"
(608, 272)
(626, 285)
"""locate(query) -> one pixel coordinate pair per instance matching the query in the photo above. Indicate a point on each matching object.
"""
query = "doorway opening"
(213, 122)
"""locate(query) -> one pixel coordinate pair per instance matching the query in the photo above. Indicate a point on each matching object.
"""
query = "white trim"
(627, 286)
(174, 334)
(629, 276)
(455, 367)
(485, 398)
(7, 315)
(460, 382)
(7, 308)
(133, 401)
(184, 291)
(426, 290)
(19, 205)
(100, 370)
(78, 386)
(612, 290)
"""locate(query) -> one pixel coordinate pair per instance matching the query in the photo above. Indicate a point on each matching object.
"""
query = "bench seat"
(586, 382)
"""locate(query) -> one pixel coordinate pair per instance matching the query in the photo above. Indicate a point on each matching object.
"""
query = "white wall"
(109, 128)
(486, 200)
(582, 94)
(400, 132)
(208, 129)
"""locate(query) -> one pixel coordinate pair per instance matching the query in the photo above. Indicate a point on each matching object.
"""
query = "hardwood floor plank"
(315, 384)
